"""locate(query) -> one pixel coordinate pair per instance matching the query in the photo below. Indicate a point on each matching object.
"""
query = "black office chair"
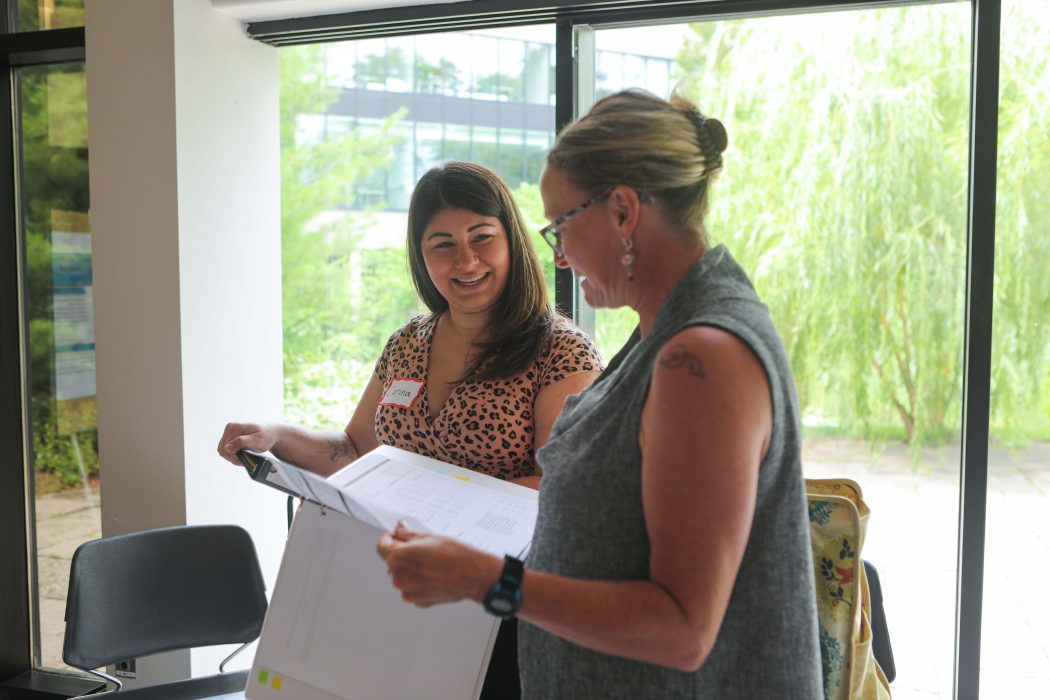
(161, 590)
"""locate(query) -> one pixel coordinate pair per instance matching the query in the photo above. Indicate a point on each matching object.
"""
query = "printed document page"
(389, 484)
(433, 496)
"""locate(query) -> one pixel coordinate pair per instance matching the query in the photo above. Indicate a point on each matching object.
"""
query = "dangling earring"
(629, 258)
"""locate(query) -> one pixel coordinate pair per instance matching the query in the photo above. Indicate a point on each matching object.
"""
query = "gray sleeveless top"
(591, 524)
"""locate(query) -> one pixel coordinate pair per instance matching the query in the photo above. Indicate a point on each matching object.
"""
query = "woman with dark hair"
(671, 556)
(479, 380)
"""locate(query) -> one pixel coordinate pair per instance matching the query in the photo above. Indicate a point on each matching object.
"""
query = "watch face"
(501, 604)
(504, 598)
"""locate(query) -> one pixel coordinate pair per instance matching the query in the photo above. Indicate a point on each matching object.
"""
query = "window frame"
(19, 639)
(17, 646)
(980, 265)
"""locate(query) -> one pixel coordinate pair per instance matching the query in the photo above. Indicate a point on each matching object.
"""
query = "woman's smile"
(468, 258)
(471, 281)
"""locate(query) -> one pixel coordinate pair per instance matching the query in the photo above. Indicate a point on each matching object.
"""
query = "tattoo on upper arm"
(341, 449)
(678, 355)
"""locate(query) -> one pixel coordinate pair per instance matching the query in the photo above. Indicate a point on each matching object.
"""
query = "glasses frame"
(550, 232)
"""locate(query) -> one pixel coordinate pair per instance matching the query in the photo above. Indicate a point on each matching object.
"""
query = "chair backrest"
(880, 630)
(160, 590)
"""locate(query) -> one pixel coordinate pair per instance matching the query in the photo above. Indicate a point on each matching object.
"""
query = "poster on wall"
(74, 319)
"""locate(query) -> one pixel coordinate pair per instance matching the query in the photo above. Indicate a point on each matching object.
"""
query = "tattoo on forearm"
(679, 356)
(341, 449)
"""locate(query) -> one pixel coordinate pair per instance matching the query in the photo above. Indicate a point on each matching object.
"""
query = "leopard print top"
(484, 425)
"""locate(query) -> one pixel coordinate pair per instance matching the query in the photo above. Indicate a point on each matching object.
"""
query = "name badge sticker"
(402, 392)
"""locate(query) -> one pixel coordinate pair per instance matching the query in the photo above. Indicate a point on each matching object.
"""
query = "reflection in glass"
(616, 69)
(56, 230)
(539, 86)
(844, 196)
(429, 147)
(31, 15)
(372, 65)
(511, 71)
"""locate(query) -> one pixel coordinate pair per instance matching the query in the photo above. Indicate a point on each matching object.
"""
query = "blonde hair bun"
(665, 149)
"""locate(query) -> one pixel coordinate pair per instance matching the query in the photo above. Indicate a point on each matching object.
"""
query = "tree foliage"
(1021, 345)
(54, 177)
(342, 296)
(845, 196)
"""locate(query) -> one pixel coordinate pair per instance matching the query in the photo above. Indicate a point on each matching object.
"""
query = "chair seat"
(192, 689)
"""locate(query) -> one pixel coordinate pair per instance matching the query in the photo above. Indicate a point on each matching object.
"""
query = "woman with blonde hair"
(671, 557)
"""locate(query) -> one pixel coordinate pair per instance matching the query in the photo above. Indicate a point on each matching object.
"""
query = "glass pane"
(370, 70)
(31, 15)
(1015, 635)
(538, 66)
(56, 230)
(361, 122)
(844, 197)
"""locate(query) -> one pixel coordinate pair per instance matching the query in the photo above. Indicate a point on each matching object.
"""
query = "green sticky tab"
(264, 676)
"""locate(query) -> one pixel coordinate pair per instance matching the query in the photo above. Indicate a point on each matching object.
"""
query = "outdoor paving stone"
(52, 631)
(53, 577)
(71, 524)
(56, 504)
(1006, 687)
(61, 537)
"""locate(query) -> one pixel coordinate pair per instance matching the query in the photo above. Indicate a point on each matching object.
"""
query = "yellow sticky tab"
(463, 478)
(264, 676)
(277, 680)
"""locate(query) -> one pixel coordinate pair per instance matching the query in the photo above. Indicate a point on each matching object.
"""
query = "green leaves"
(342, 296)
(845, 197)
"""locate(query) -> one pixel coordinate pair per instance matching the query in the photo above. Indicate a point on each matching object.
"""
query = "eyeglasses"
(550, 232)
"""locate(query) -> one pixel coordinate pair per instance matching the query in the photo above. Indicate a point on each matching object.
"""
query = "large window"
(844, 196)
(1015, 636)
(361, 122)
(56, 230)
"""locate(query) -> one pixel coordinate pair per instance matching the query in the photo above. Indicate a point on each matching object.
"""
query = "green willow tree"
(1021, 350)
(846, 195)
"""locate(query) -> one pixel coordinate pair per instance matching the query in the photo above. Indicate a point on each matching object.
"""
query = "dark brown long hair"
(522, 317)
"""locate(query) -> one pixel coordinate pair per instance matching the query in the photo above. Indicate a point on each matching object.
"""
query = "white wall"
(185, 197)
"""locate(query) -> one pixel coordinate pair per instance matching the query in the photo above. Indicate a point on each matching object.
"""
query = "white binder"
(336, 627)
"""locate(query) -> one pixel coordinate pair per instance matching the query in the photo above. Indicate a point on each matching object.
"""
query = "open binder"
(336, 627)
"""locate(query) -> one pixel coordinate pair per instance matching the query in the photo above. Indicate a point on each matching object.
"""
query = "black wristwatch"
(504, 598)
